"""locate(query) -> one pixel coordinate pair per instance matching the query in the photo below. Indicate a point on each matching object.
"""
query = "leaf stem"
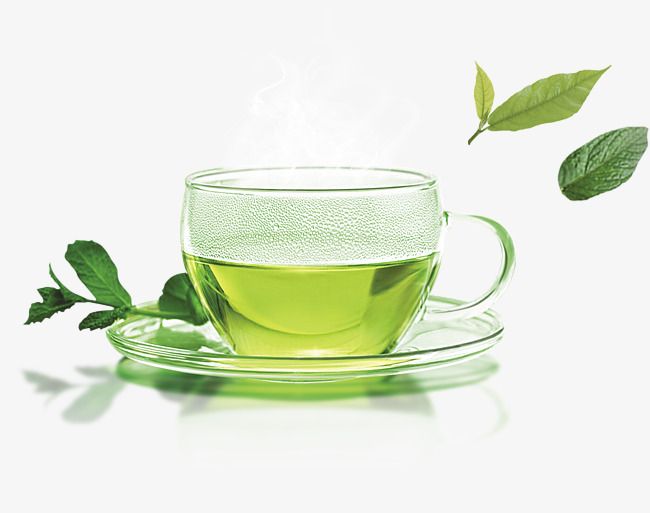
(476, 134)
(95, 302)
(152, 313)
(132, 309)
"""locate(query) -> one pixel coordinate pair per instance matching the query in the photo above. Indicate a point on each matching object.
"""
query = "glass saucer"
(177, 345)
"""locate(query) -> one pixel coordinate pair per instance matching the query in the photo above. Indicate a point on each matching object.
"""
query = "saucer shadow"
(103, 385)
(95, 399)
(167, 381)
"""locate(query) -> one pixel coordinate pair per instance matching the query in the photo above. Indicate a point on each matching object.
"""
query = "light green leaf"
(483, 95)
(603, 163)
(180, 300)
(551, 99)
(97, 272)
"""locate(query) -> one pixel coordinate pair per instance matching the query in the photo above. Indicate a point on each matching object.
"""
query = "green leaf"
(97, 272)
(101, 319)
(180, 300)
(49, 294)
(483, 95)
(603, 163)
(65, 291)
(53, 302)
(551, 99)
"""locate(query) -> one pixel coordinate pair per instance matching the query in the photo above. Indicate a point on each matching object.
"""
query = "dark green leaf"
(97, 271)
(551, 99)
(603, 163)
(101, 319)
(49, 294)
(483, 95)
(65, 291)
(53, 302)
(180, 300)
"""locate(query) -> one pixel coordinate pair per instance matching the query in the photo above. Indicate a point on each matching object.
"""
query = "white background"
(106, 106)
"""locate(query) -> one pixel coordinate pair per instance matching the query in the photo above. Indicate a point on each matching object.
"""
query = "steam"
(322, 114)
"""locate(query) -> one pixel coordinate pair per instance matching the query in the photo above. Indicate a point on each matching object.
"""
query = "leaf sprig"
(98, 273)
(548, 100)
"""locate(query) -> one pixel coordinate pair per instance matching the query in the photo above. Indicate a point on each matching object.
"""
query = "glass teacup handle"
(484, 302)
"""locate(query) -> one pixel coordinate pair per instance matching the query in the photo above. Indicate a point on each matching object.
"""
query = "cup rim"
(193, 180)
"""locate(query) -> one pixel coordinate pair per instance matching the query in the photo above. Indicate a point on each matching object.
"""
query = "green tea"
(332, 310)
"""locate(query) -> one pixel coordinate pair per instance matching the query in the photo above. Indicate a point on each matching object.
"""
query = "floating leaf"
(483, 95)
(550, 99)
(603, 163)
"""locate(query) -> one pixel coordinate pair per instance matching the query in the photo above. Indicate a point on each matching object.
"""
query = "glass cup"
(320, 261)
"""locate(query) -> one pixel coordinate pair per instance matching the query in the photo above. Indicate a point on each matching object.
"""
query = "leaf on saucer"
(180, 300)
